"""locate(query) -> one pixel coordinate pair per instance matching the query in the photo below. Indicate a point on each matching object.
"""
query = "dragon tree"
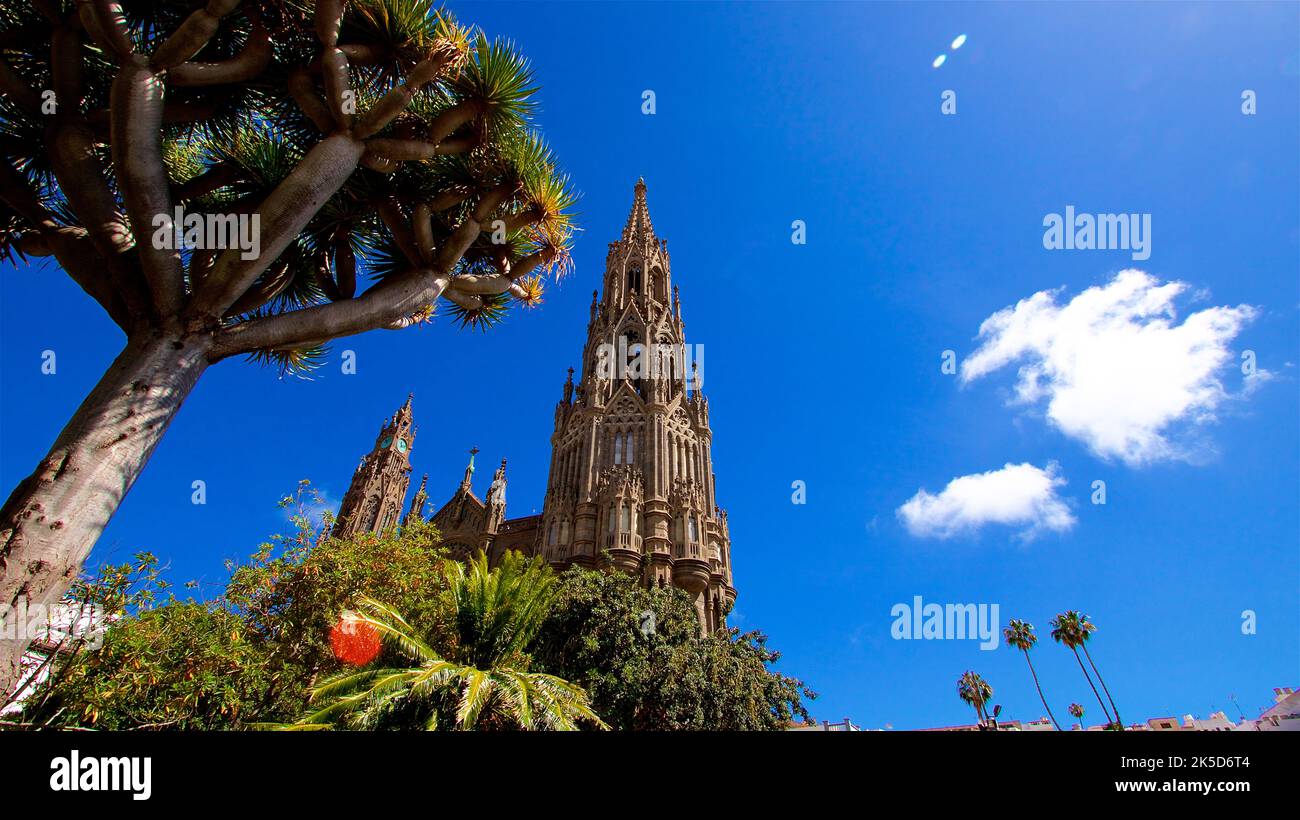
(250, 180)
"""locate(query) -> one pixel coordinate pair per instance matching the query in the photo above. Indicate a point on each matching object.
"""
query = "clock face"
(387, 441)
(401, 445)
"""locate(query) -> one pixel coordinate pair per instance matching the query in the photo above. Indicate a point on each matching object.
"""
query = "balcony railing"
(690, 549)
(623, 540)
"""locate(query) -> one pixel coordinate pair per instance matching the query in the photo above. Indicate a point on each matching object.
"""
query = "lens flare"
(355, 642)
(959, 42)
(938, 61)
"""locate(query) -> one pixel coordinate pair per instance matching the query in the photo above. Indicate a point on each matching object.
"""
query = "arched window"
(612, 519)
(634, 278)
(625, 523)
(627, 454)
(618, 448)
(564, 531)
(695, 530)
(552, 536)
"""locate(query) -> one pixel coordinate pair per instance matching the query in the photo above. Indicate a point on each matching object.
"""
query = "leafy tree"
(1072, 629)
(1020, 634)
(112, 593)
(976, 692)
(253, 653)
(482, 682)
(294, 589)
(666, 678)
(1085, 628)
(515, 638)
(373, 139)
(1076, 711)
(181, 666)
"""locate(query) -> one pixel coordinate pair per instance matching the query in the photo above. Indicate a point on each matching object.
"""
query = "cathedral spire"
(373, 502)
(417, 503)
(638, 221)
(469, 469)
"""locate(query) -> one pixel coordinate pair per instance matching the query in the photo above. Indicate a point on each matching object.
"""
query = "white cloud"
(1018, 495)
(1114, 367)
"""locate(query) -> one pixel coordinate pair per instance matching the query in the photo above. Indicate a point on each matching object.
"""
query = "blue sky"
(823, 359)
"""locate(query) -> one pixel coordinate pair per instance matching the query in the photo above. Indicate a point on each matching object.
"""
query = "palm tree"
(1067, 630)
(481, 684)
(975, 691)
(1076, 711)
(307, 148)
(1086, 628)
(1020, 634)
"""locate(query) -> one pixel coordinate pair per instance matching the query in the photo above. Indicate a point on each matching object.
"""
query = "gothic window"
(564, 531)
(695, 530)
(551, 542)
(625, 523)
(612, 519)
(618, 448)
(634, 278)
(627, 455)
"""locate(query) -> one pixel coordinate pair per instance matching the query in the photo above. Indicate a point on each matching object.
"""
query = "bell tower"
(631, 478)
(373, 502)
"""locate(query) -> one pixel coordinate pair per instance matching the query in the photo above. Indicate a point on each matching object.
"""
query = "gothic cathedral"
(631, 478)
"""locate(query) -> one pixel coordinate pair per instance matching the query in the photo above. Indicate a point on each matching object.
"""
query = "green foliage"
(671, 679)
(180, 666)
(497, 613)
(252, 654)
(463, 646)
(975, 692)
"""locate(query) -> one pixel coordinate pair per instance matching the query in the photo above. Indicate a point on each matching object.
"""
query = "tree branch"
(72, 247)
(217, 176)
(281, 216)
(380, 306)
(192, 35)
(136, 127)
(251, 60)
(303, 91)
(397, 98)
(106, 25)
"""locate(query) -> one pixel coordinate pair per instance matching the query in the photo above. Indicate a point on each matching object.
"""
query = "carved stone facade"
(631, 478)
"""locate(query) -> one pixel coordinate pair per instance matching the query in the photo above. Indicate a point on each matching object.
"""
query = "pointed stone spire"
(469, 470)
(568, 388)
(404, 412)
(638, 221)
(417, 503)
(496, 494)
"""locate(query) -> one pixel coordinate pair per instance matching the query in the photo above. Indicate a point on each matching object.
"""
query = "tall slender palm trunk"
(54, 516)
(1040, 690)
(1113, 707)
(1087, 677)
